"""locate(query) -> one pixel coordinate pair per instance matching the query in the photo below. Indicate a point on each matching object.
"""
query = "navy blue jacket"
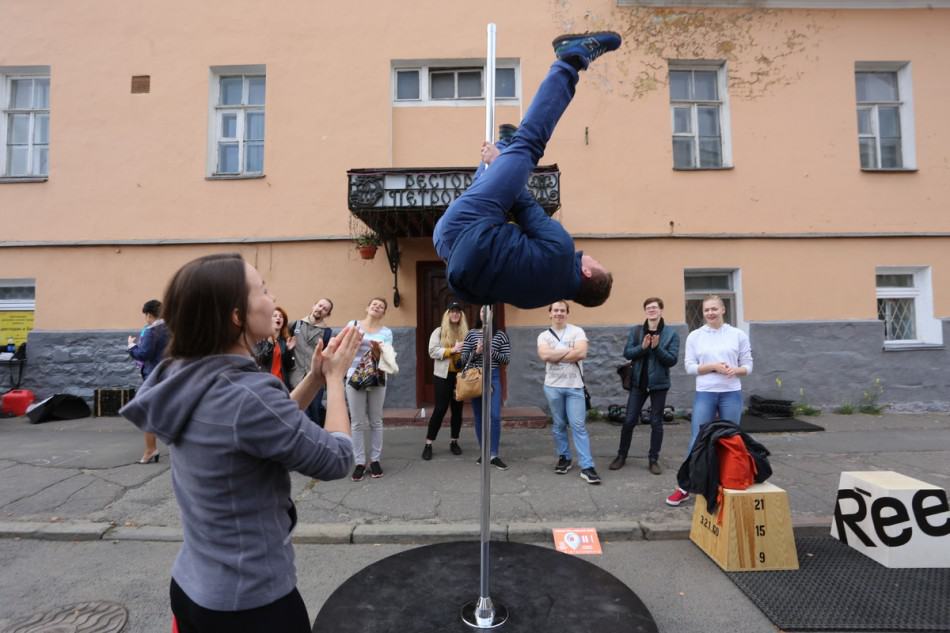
(659, 358)
(529, 264)
(151, 346)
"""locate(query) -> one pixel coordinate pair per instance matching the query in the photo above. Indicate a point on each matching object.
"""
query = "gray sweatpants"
(366, 410)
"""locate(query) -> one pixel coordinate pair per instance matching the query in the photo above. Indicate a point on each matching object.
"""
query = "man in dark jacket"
(531, 262)
(652, 349)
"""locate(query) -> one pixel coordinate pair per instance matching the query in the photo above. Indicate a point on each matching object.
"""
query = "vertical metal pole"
(483, 613)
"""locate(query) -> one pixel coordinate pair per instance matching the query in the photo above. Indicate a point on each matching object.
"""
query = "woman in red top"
(274, 353)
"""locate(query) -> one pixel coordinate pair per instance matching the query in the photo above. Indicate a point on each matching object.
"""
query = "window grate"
(899, 319)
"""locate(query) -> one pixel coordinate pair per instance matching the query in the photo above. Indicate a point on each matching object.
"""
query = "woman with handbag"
(445, 348)
(652, 349)
(366, 389)
(472, 358)
(234, 435)
(275, 353)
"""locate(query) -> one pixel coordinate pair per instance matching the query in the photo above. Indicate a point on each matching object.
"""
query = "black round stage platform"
(422, 590)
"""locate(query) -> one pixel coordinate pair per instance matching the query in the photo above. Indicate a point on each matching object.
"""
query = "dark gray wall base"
(79, 362)
(826, 363)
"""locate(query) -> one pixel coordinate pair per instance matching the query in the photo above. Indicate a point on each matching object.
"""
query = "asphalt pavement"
(79, 520)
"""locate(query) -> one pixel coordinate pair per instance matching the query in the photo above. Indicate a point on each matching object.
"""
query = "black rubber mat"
(422, 590)
(839, 589)
(755, 424)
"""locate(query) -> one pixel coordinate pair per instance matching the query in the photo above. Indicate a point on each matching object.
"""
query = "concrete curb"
(390, 533)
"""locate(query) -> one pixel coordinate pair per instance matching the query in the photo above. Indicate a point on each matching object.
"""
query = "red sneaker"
(679, 496)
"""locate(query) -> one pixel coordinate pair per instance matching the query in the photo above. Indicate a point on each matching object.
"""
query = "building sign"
(408, 202)
(15, 324)
(894, 519)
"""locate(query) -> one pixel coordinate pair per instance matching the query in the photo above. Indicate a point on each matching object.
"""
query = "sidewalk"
(73, 480)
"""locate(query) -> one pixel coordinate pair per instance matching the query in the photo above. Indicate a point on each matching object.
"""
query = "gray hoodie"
(234, 434)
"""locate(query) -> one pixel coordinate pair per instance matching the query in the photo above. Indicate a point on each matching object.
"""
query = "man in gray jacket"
(307, 332)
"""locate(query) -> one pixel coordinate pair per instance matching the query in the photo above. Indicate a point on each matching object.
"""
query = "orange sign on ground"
(577, 541)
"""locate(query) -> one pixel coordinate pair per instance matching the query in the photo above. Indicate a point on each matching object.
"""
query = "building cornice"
(791, 4)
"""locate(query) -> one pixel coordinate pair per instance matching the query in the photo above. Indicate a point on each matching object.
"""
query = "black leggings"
(287, 614)
(444, 398)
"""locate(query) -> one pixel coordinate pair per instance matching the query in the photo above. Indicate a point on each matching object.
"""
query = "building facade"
(793, 157)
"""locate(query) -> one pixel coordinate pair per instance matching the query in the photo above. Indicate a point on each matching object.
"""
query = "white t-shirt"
(726, 345)
(566, 375)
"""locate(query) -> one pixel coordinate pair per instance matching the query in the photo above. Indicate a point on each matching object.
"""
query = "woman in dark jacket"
(653, 348)
(275, 353)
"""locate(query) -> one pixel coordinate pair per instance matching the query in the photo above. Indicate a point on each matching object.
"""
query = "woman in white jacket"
(717, 354)
(445, 348)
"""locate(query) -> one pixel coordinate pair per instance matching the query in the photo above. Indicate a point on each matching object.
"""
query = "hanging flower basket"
(367, 252)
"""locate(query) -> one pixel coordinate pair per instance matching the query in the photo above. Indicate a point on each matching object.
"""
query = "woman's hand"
(654, 340)
(292, 343)
(131, 341)
(478, 347)
(646, 341)
(339, 354)
(457, 348)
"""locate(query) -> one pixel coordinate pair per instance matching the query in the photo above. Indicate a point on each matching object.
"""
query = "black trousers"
(445, 398)
(287, 615)
(635, 402)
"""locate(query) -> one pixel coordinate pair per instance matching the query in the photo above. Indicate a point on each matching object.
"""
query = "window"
(699, 112)
(700, 283)
(237, 124)
(24, 122)
(885, 118)
(447, 83)
(905, 305)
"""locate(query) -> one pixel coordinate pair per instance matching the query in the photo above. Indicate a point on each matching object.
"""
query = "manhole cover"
(84, 617)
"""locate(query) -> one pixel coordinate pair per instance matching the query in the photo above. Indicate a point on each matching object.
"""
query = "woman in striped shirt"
(472, 357)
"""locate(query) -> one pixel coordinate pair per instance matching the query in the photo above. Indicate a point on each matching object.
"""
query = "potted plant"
(366, 244)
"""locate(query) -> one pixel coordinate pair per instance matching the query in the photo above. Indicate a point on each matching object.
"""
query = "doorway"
(434, 296)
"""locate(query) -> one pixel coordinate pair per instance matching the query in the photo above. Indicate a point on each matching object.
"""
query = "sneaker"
(590, 476)
(655, 468)
(563, 465)
(427, 452)
(618, 462)
(585, 47)
(497, 463)
(359, 472)
(455, 448)
(679, 496)
(375, 470)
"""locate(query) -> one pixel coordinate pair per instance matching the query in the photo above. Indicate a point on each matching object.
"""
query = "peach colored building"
(792, 156)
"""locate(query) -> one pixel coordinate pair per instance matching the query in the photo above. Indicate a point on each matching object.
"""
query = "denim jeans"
(635, 402)
(705, 406)
(315, 410)
(503, 187)
(495, 430)
(567, 407)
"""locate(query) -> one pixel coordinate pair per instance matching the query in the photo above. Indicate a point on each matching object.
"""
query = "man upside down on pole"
(531, 262)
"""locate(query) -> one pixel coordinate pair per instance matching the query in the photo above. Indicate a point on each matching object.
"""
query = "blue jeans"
(705, 406)
(503, 188)
(567, 407)
(495, 430)
(315, 410)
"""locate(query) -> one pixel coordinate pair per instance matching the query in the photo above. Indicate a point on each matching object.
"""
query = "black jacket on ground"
(700, 471)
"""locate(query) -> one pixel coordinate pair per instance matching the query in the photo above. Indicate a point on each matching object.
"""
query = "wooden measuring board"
(756, 530)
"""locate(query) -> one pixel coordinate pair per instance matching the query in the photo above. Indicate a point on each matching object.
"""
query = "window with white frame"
(449, 82)
(24, 122)
(905, 306)
(699, 111)
(237, 121)
(885, 115)
(701, 283)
